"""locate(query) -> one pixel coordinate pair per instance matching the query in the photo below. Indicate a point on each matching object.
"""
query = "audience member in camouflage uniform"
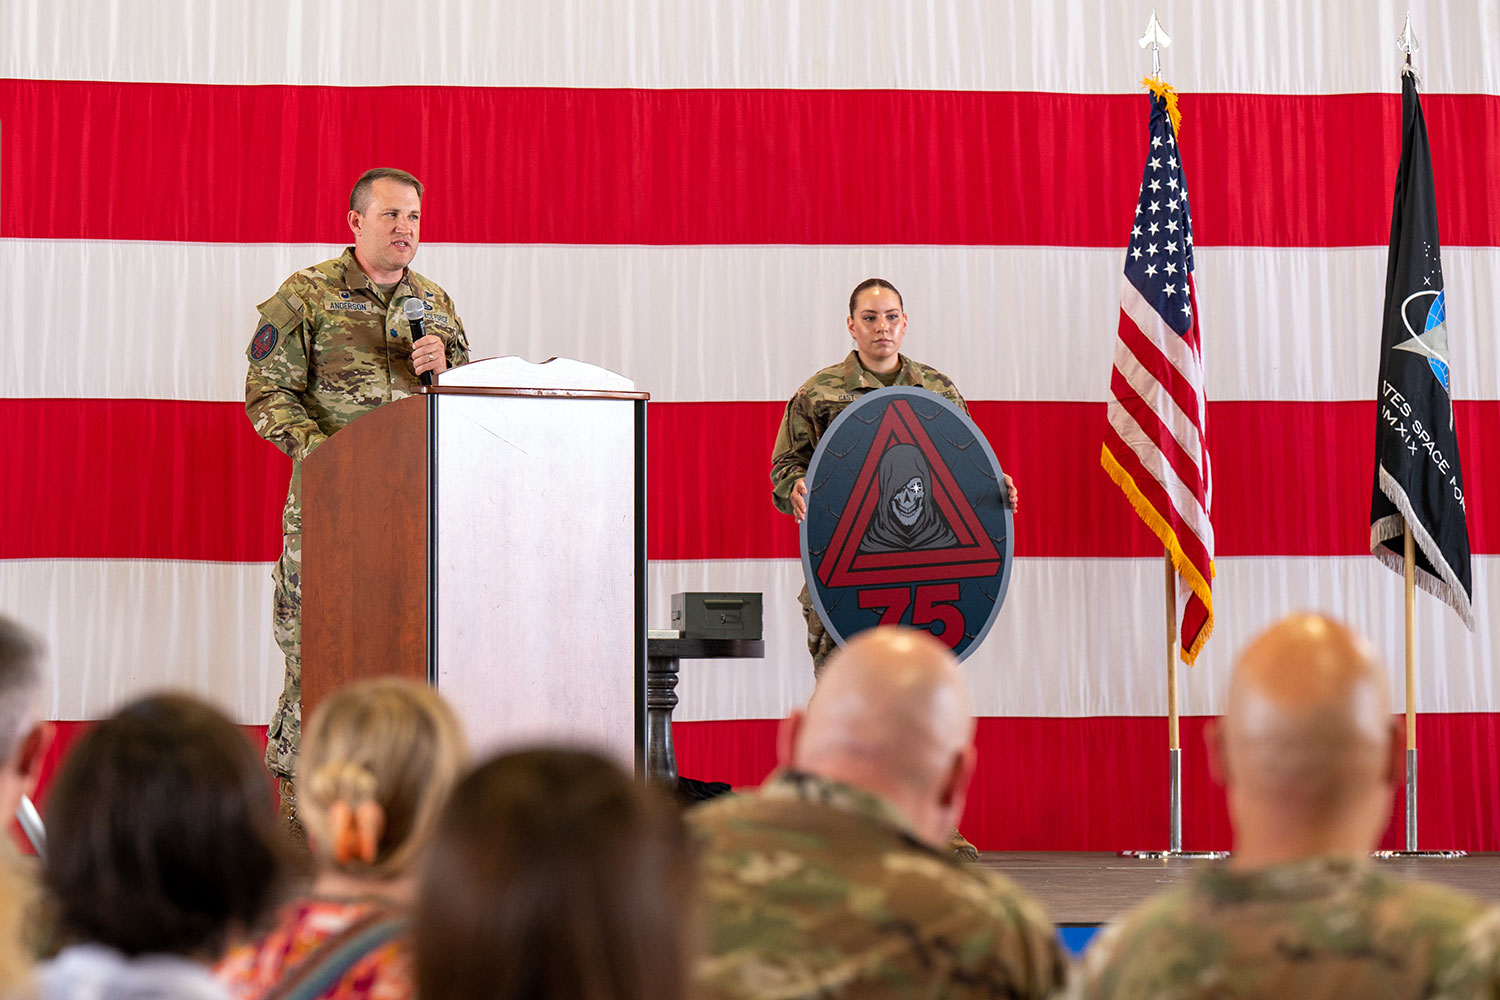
(832, 879)
(877, 323)
(1308, 754)
(1476, 974)
(333, 343)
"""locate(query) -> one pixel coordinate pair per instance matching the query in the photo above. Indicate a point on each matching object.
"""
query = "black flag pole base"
(1175, 851)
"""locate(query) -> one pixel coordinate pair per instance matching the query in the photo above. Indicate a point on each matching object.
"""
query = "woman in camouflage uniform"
(877, 323)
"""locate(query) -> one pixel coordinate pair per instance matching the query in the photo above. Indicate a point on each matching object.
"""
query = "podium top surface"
(516, 376)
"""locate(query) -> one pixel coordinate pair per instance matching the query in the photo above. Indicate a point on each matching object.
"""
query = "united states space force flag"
(1417, 478)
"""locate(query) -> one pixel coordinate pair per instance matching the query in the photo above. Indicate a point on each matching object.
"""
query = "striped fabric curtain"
(686, 193)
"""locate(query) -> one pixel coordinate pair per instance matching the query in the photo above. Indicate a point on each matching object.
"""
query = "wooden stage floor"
(1079, 888)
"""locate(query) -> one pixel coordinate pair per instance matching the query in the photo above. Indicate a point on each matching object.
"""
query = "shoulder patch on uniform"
(264, 342)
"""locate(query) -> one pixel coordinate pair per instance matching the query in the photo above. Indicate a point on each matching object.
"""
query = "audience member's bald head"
(891, 713)
(1307, 737)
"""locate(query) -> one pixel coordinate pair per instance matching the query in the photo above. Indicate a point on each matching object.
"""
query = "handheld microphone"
(415, 310)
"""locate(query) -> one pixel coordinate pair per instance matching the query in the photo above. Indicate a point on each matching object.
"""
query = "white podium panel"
(536, 617)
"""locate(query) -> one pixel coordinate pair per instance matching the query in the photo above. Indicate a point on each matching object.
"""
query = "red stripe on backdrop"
(1100, 784)
(172, 480)
(139, 478)
(242, 164)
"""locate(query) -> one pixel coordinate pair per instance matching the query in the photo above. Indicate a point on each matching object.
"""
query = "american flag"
(1156, 445)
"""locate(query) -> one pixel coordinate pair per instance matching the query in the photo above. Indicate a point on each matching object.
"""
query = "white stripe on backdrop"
(744, 323)
(1076, 636)
(1078, 46)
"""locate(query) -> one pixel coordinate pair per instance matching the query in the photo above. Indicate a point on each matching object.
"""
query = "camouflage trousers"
(819, 643)
(285, 732)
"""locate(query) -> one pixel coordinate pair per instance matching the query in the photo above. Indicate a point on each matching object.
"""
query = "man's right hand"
(799, 500)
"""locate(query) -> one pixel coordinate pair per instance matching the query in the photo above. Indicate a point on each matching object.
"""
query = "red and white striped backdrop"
(685, 192)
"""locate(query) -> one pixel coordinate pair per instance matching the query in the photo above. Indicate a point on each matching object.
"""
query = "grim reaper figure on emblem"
(906, 519)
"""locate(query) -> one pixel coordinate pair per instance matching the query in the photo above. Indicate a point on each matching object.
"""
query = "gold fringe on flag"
(1166, 93)
(1162, 530)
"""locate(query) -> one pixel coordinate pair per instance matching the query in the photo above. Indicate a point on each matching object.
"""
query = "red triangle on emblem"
(843, 565)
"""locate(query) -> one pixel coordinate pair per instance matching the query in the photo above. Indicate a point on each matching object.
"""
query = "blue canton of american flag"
(1161, 241)
(1155, 447)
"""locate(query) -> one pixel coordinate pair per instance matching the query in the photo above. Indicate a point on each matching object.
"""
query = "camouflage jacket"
(820, 400)
(1324, 927)
(1477, 972)
(817, 889)
(327, 349)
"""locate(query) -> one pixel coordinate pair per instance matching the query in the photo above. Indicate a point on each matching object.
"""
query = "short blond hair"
(391, 741)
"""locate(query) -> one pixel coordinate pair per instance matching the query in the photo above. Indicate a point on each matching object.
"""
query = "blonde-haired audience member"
(378, 761)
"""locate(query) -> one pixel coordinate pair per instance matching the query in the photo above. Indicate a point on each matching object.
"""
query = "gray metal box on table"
(717, 615)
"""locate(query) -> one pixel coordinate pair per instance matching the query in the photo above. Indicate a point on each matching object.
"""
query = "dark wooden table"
(662, 659)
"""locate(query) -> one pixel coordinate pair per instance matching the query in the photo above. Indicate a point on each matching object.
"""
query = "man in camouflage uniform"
(1308, 755)
(334, 343)
(832, 879)
(877, 323)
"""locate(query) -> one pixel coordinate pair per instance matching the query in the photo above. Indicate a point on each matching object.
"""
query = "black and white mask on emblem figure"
(907, 503)
(906, 518)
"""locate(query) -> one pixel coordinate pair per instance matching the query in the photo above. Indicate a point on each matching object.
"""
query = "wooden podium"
(488, 536)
